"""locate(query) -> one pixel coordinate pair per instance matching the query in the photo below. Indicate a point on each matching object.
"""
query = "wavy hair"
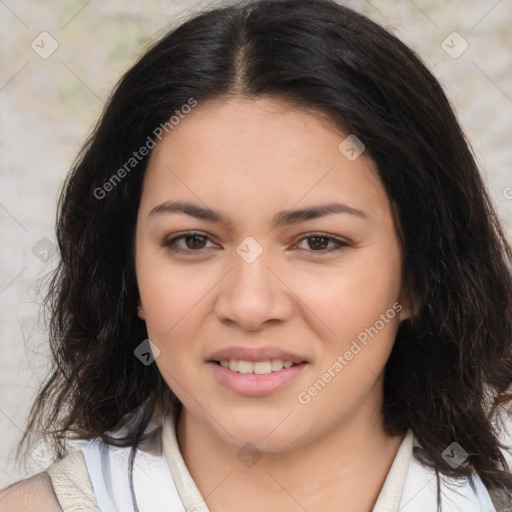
(450, 370)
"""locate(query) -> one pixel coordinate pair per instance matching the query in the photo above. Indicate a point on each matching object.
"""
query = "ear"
(408, 301)
(140, 312)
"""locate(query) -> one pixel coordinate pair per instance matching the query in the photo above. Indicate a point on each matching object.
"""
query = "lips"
(255, 354)
(261, 382)
(251, 384)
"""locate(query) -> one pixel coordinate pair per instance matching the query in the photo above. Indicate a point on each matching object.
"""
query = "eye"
(319, 242)
(194, 242)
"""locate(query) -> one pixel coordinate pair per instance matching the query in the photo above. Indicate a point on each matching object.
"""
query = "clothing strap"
(72, 485)
(186, 487)
(391, 493)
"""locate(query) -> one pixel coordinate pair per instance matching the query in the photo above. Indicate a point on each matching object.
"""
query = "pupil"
(316, 238)
(195, 241)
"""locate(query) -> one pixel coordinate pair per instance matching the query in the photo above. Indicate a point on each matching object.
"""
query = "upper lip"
(255, 354)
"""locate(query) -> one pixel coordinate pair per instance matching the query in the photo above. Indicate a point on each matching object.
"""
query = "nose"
(254, 294)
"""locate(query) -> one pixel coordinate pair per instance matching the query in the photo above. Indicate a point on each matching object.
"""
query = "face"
(257, 269)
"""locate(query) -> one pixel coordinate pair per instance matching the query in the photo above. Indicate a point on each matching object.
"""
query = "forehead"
(262, 127)
(258, 153)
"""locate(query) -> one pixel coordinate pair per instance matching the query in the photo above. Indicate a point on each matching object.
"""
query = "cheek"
(174, 298)
(168, 301)
(174, 302)
(362, 309)
(353, 297)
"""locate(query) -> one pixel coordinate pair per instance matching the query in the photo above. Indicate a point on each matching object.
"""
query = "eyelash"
(168, 244)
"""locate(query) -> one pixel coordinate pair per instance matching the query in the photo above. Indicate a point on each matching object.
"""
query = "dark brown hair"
(451, 366)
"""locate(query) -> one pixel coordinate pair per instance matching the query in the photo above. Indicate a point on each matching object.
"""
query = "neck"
(344, 468)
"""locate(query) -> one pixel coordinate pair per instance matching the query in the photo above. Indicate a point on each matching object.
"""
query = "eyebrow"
(281, 218)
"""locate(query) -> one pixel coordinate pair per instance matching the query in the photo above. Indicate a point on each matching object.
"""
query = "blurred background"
(61, 59)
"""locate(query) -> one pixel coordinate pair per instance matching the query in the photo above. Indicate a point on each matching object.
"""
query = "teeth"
(257, 367)
(245, 366)
(276, 365)
(262, 367)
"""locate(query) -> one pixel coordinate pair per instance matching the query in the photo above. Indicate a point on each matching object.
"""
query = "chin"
(267, 432)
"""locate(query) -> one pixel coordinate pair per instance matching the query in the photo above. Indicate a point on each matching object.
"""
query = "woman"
(279, 197)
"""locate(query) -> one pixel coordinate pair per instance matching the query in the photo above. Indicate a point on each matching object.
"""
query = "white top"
(162, 482)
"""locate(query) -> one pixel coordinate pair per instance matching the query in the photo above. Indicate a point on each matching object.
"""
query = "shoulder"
(32, 494)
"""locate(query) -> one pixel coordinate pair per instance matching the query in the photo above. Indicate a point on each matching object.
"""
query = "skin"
(34, 494)
(249, 159)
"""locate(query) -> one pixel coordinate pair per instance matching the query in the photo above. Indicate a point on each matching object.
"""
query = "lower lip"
(251, 384)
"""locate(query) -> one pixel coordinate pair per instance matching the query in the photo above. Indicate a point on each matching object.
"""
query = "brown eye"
(321, 243)
(187, 243)
(318, 242)
(195, 241)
